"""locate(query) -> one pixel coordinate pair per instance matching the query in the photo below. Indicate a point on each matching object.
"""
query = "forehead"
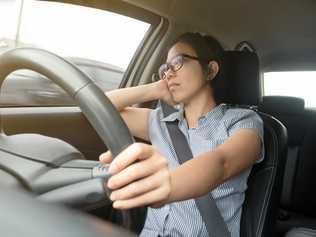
(180, 48)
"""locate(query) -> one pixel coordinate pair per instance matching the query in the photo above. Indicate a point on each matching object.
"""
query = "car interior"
(55, 119)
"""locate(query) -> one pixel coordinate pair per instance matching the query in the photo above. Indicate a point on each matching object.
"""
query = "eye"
(162, 70)
(177, 62)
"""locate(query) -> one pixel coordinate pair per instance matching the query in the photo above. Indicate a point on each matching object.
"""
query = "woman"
(225, 142)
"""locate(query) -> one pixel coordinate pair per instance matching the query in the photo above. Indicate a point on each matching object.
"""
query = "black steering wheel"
(99, 111)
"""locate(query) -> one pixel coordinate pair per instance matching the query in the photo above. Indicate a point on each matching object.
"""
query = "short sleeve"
(154, 118)
(246, 118)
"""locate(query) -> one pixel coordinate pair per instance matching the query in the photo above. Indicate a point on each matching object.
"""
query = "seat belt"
(211, 216)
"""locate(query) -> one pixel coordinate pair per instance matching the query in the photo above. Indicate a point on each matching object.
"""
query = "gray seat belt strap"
(208, 209)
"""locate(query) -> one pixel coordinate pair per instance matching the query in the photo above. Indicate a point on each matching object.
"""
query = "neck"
(199, 106)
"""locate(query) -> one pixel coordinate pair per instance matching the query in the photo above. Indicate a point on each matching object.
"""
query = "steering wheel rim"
(96, 107)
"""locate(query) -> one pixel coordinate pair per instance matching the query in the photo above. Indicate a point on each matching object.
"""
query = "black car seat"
(301, 232)
(264, 184)
(298, 199)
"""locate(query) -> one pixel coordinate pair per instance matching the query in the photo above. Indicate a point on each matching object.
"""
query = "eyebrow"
(181, 54)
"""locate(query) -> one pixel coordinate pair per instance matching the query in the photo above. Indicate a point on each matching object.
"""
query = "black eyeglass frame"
(163, 69)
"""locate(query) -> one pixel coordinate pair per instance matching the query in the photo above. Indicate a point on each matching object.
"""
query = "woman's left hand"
(140, 177)
(164, 92)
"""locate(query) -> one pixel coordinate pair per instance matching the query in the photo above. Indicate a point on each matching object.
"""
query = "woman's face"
(190, 79)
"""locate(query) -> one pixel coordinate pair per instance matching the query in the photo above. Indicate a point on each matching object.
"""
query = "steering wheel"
(96, 107)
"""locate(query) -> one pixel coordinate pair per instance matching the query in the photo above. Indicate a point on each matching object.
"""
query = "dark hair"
(209, 49)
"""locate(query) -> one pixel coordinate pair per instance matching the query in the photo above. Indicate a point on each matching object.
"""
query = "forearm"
(197, 177)
(124, 97)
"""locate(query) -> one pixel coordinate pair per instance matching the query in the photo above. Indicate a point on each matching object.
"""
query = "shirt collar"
(215, 112)
(178, 113)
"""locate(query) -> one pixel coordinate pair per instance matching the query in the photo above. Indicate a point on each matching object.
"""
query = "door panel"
(65, 123)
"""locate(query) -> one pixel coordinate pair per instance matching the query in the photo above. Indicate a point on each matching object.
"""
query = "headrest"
(241, 70)
(282, 105)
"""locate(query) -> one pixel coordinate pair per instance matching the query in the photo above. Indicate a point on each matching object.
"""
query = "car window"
(292, 83)
(101, 43)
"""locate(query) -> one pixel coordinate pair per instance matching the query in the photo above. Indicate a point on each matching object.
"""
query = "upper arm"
(240, 151)
(244, 146)
(137, 121)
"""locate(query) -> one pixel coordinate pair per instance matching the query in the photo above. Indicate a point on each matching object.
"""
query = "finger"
(148, 198)
(136, 171)
(106, 157)
(137, 188)
(136, 151)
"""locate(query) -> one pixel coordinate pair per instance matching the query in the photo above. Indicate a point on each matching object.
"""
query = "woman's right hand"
(164, 92)
(140, 177)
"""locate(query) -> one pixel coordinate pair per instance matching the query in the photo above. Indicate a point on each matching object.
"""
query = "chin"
(176, 98)
(179, 97)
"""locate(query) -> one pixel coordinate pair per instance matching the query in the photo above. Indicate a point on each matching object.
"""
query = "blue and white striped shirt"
(183, 218)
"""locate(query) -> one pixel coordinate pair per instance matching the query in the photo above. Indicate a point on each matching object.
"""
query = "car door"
(93, 39)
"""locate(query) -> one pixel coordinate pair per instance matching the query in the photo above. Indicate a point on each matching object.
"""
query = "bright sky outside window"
(101, 43)
(292, 83)
(74, 31)
(9, 15)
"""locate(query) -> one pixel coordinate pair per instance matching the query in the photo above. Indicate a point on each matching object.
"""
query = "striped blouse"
(183, 218)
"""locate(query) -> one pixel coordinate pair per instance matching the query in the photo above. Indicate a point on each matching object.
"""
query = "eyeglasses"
(175, 64)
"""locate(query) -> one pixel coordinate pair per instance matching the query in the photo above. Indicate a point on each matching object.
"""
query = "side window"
(101, 43)
(292, 83)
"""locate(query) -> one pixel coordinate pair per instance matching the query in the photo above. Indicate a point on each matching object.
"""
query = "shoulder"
(236, 118)
(156, 114)
(241, 118)
(156, 118)
(233, 115)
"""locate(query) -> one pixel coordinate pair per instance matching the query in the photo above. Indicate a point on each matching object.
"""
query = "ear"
(213, 69)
